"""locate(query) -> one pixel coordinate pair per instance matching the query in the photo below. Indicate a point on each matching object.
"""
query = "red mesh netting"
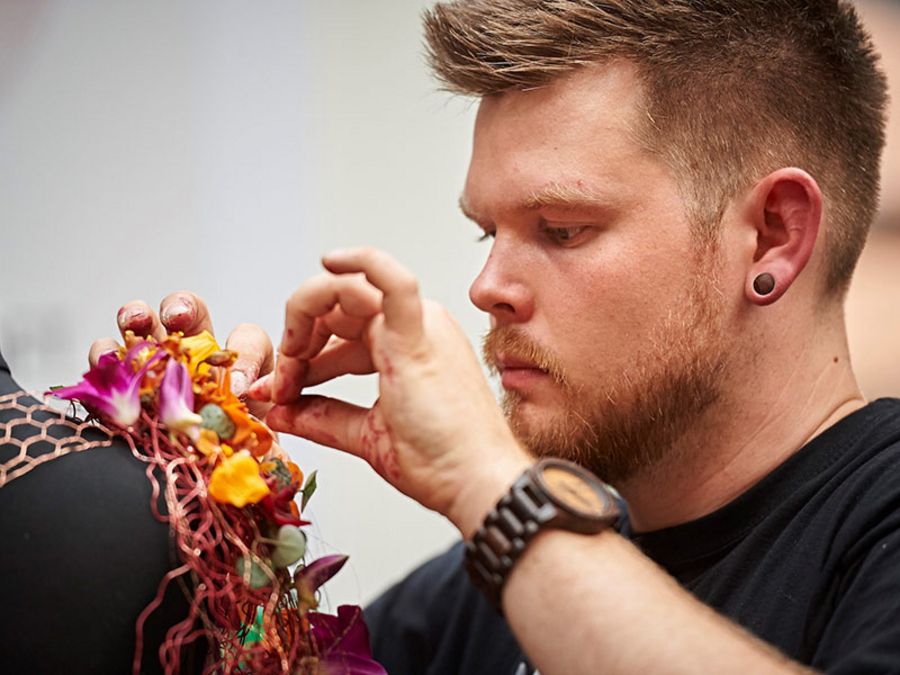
(211, 538)
(49, 427)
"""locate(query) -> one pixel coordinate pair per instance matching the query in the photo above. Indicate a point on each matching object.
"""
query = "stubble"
(626, 423)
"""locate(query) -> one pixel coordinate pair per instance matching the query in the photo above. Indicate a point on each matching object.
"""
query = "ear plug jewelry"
(764, 284)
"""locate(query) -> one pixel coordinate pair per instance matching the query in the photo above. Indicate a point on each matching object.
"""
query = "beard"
(625, 426)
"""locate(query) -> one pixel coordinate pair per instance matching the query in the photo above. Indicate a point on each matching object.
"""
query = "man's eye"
(564, 235)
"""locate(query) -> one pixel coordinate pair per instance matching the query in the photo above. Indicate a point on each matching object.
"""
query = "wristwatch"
(554, 493)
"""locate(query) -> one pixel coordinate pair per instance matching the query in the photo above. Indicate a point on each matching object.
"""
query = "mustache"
(514, 343)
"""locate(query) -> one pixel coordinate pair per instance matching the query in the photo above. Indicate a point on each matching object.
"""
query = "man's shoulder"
(865, 488)
(854, 615)
(866, 447)
(878, 422)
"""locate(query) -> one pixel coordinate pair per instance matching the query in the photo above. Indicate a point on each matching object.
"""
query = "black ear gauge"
(764, 284)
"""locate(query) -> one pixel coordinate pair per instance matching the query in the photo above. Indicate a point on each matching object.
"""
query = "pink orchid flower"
(343, 643)
(176, 399)
(111, 389)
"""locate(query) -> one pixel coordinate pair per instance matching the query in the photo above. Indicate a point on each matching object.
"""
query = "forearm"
(577, 604)
(580, 604)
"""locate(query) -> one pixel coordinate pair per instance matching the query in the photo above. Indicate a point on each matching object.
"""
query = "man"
(677, 194)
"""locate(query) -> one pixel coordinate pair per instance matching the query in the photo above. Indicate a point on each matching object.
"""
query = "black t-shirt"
(81, 556)
(808, 560)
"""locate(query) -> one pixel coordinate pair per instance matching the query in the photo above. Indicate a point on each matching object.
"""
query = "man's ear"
(785, 208)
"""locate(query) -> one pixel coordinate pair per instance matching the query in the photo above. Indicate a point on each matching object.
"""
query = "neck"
(778, 400)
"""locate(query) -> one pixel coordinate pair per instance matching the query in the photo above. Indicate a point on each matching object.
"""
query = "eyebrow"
(557, 195)
(562, 195)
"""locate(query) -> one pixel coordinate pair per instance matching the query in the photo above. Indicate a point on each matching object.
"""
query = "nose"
(501, 289)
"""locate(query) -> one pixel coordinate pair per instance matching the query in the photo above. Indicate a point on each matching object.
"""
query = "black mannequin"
(81, 557)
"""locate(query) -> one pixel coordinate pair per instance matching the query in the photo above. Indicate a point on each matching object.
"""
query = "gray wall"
(223, 146)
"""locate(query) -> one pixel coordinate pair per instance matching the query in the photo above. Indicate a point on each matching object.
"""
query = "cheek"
(601, 312)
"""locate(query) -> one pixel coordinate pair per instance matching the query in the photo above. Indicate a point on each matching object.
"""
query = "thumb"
(255, 357)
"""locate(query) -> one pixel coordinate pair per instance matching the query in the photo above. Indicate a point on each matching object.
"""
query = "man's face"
(606, 324)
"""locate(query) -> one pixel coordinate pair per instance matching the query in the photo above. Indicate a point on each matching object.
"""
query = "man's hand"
(436, 433)
(184, 312)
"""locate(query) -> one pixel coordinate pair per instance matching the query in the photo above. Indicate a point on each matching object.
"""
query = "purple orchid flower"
(308, 578)
(111, 389)
(343, 643)
(176, 398)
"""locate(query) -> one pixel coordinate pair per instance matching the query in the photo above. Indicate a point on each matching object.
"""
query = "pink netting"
(211, 539)
(39, 431)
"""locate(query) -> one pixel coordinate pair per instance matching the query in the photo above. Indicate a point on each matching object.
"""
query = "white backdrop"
(223, 146)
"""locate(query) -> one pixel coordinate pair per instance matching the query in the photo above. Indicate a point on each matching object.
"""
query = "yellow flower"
(200, 347)
(237, 481)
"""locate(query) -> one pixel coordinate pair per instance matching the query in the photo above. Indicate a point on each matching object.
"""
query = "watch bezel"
(595, 521)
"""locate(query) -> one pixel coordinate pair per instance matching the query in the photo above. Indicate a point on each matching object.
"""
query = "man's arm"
(622, 614)
(576, 603)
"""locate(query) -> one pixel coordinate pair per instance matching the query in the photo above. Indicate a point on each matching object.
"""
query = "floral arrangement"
(231, 506)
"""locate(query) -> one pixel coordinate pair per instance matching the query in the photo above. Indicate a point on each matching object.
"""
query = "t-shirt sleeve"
(405, 621)
(435, 622)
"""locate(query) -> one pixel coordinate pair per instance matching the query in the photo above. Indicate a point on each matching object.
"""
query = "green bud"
(290, 548)
(216, 419)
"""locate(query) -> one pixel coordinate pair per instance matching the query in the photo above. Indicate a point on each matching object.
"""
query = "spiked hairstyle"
(732, 90)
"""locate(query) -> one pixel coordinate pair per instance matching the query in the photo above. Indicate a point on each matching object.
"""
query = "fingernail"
(129, 316)
(178, 311)
(239, 383)
(113, 353)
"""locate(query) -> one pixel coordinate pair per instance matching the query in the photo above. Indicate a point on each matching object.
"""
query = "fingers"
(323, 306)
(261, 390)
(338, 322)
(316, 298)
(255, 356)
(99, 348)
(322, 420)
(182, 311)
(341, 357)
(402, 306)
(185, 312)
(137, 317)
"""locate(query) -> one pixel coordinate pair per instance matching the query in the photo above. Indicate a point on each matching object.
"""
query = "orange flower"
(296, 474)
(249, 432)
(237, 481)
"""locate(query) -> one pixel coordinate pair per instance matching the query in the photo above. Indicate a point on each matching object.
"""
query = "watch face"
(574, 491)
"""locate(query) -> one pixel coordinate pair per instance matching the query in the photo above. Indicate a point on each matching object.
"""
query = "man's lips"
(511, 363)
(518, 373)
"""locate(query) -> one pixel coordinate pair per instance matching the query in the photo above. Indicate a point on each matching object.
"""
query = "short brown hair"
(733, 89)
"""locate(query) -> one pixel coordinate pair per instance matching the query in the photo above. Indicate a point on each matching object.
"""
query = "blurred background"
(223, 146)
